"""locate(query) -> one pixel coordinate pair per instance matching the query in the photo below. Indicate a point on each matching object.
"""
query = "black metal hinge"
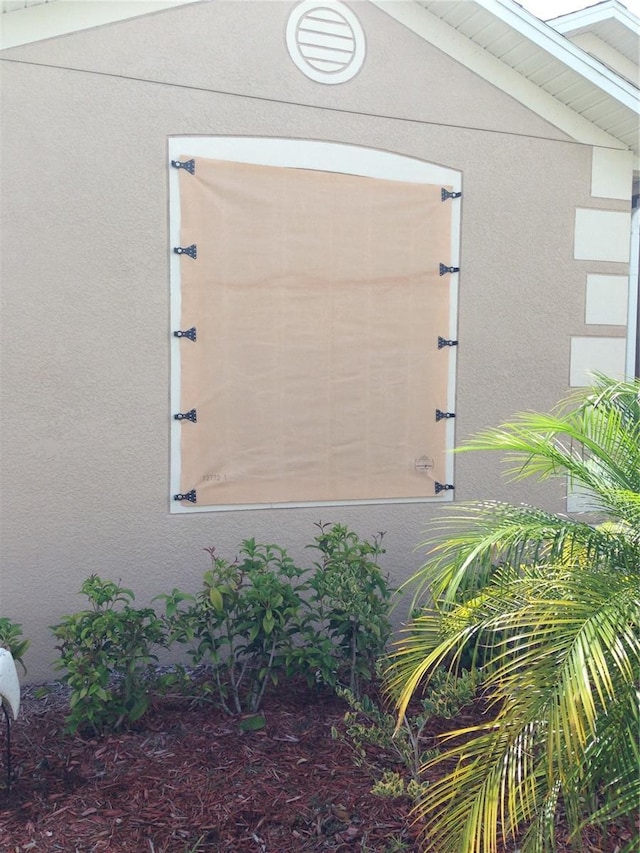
(445, 269)
(444, 487)
(445, 194)
(189, 496)
(189, 333)
(443, 342)
(444, 415)
(192, 251)
(187, 416)
(190, 166)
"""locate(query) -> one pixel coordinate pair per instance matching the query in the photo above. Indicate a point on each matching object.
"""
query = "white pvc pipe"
(634, 302)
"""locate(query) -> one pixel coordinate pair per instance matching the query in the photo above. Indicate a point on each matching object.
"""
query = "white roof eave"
(552, 42)
(618, 101)
(611, 9)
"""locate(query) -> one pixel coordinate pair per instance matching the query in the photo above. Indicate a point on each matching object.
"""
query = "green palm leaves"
(547, 606)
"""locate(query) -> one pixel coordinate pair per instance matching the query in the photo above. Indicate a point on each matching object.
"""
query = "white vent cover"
(326, 41)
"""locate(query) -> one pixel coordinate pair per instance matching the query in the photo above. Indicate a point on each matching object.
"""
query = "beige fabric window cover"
(318, 305)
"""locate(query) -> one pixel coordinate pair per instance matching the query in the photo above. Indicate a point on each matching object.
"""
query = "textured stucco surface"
(84, 365)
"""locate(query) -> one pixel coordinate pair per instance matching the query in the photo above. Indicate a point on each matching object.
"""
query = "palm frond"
(553, 603)
(596, 443)
(465, 547)
(554, 674)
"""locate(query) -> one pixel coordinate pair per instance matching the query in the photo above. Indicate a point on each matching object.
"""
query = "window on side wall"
(314, 301)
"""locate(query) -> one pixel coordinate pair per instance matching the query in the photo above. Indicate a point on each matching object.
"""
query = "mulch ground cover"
(188, 779)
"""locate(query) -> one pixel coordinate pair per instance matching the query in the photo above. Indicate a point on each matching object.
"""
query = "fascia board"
(447, 39)
(546, 38)
(594, 15)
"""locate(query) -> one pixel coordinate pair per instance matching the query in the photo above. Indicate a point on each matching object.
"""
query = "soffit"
(614, 33)
(610, 21)
(548, 60)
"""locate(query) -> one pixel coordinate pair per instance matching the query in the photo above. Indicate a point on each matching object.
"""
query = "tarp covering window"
(318, 302)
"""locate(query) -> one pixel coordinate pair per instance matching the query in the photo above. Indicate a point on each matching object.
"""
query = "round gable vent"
(326, 41)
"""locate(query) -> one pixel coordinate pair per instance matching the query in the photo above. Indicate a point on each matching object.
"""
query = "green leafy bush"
(12, 640)
(369, 723)
(243, 622)
(255, 619)
(106, 653)
(260, 617)
(447, 693)
(393, 786)
(350, 601)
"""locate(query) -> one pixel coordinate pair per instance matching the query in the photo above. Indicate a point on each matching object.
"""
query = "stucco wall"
(85, 334)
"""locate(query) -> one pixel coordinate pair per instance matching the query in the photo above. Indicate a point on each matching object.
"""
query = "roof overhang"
(609, 20)
(528, 59)
(608, 31)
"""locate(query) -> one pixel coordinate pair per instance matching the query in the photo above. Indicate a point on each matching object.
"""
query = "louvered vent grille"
(326, 40)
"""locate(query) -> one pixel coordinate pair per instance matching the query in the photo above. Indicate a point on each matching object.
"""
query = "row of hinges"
(192, 495)
(191, 335)
(192, 252)
(190, 166)
(192, 416)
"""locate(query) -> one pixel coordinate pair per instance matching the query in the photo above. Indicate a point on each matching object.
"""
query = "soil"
(188, 779)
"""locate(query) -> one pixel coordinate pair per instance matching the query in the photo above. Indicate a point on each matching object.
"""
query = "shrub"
(12, 640)
(350, 603)
(106, 654)
(369, 723)
(260, 617)
(243, 622)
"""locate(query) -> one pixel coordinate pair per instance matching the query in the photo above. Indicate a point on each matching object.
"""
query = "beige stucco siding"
(239, 47)
(85, 334)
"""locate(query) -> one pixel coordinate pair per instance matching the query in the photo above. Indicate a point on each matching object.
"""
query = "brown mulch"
(189, 779)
